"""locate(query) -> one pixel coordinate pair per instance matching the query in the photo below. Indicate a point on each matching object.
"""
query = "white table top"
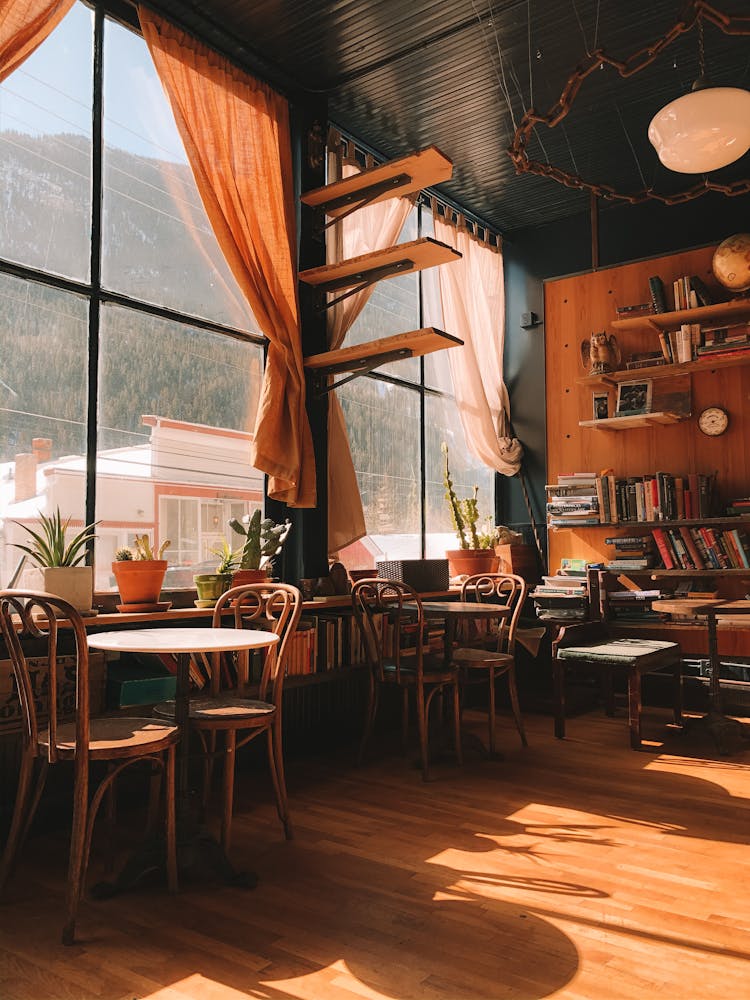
(181, 640)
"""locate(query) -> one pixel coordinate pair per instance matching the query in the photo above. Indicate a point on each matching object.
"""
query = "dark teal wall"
(626, 233)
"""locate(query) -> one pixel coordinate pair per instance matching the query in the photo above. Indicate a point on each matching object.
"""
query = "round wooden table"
(181, 642)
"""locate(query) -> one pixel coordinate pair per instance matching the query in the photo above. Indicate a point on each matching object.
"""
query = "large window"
(179, 354)
(398, 419)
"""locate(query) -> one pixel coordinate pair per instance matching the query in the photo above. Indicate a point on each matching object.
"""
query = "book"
(658, 298)
(705, 298)
(664, 549)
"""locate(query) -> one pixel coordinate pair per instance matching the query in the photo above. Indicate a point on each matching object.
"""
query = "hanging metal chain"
(699, 10)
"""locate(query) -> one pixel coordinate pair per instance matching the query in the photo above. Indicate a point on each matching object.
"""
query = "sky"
(51, 92)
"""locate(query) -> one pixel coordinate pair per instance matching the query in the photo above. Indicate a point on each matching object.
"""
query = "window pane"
(176, 410)
(393, 307)
(443, 425)
(43, 347)
(383, 425)
(158, 245)
(45, 153)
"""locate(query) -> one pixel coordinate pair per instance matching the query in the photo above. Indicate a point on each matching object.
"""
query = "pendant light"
(704, 130)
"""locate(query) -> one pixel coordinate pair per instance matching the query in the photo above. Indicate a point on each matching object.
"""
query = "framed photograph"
(601, 406)
(633, 397)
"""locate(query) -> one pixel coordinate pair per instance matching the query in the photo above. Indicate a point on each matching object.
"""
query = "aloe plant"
(264, 539)
(49, 547)
(228, 557)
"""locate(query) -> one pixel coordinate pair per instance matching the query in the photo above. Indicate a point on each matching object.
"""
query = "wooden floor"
(575, 869)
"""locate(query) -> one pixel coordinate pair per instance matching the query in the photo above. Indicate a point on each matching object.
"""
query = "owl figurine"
(600, 354)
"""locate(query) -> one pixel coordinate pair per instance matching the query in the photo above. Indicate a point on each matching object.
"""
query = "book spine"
(692, 549)
(741, 547)
(664, 550)
(658, 299)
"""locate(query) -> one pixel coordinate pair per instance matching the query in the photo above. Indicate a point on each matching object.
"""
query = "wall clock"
(713, 421)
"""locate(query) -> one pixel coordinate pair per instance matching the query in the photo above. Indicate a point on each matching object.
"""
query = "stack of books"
(632, 552)
(740, 506)
(690, 292)
(633, 605)
(564, 596)
(573, 501)
(724, 341)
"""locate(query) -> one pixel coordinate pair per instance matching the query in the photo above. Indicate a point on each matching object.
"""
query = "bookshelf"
(574, 308)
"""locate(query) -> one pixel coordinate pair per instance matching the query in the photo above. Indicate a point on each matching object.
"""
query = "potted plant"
(139, 573)
(264, 539)
(211, 586)
(60, 559)
(477, 545)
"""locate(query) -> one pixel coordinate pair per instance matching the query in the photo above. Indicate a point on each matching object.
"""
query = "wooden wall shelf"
(404, 258)
(634, 421)
(707, 363)
(359, 357)
(736, 520)
(406, 175)
(736, 309)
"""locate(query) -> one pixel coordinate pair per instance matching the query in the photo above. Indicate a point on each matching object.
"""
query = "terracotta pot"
(211, 586)
(139, 580)
(467, 562)
(240, 577)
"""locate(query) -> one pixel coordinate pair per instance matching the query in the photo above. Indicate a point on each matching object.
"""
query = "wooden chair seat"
(224, 709)
(433, 671)
(474, 658)
(112, 739)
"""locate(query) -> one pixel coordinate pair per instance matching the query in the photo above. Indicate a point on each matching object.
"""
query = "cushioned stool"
(589, 645)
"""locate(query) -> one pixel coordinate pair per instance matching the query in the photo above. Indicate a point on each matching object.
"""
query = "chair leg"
(558, 678)
(230, 746)
(491, 711)
(677, 692)
(457, 723)
(76, 867)
(154, 797)
(111, 818)
(276, 759)
(422, 722)
(513, 693)
(369, 717)
(634, 709)
(20, 822)
(405, 719)
(208, 767)
(170, 820)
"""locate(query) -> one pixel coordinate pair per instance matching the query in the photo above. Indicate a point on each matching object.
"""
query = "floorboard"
(576, 869)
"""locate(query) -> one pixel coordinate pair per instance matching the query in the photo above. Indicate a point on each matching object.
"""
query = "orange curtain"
(24, 25)
(472, 292)
(372, 228)
(236, 135)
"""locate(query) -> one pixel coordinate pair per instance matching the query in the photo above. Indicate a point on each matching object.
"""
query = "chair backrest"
(271, 607)
(499, 588)
(390, 618)
(30, 628)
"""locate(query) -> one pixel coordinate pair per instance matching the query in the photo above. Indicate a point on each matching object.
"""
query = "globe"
(731, 263)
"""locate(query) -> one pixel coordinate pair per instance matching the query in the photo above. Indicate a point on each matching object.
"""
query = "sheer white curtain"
(372, 228)
(472, 307)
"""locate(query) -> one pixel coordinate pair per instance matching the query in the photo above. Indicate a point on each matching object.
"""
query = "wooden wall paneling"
(577, 306)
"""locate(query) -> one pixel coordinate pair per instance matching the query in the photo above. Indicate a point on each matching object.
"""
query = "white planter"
(75, 584)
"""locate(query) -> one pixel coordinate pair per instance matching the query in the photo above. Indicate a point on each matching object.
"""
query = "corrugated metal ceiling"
(460, 74)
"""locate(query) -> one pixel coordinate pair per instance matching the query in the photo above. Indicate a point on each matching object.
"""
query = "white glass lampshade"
(703, 130)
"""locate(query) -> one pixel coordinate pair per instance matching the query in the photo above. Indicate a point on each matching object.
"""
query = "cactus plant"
(264, 539)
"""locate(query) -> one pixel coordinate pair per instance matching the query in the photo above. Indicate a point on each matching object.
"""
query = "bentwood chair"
(230, 707)
(493, 655)
(32, 620)
(391, 622)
